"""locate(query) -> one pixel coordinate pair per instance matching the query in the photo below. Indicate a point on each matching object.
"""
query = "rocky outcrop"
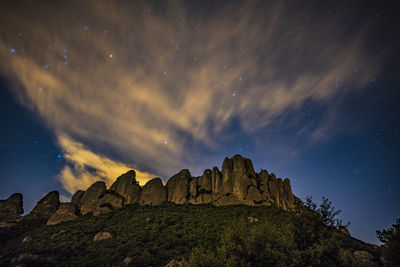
(46, 207)
(205, 182)
(254, 195)
(288, 197)
(153, 193)
(11, 208)
(66, 212)
(236, 183)
(77, 197)
(178, 187)
(107, 203)
(216, 179)
(237, 175)
(127, 186)
(89, 199)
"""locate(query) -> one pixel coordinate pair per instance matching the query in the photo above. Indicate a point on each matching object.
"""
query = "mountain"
(232, 217)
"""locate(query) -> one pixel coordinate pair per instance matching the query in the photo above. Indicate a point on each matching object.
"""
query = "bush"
(391, 244)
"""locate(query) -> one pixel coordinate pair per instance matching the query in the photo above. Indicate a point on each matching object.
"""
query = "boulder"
(127, 261)
(77, 197)
(46, 207)
(177, 263)
(127, 186)
(237, 175)
(11, 208)
(90, 197)
(178, 187)
(153, 193)
(102, 236)
(66, 212)
(216, 180)
(252, 219)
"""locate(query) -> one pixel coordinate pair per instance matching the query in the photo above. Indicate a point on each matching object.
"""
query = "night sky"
(309, 90)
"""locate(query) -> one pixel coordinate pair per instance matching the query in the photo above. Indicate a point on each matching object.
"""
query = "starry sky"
(307, 90)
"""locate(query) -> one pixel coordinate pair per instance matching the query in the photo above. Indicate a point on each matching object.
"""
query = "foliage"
(204, 235)
(326, 211)
(391, 240)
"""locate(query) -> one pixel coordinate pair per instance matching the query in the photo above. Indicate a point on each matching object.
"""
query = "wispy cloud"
(146, 82)
(85, 167)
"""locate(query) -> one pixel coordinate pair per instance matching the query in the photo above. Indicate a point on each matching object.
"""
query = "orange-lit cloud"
(173, 78)
(84, 167)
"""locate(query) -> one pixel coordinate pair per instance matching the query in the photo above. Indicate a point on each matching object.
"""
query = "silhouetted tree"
(391, 244)
(327, 212)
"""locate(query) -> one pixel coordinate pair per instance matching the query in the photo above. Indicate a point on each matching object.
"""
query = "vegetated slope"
(202, 234)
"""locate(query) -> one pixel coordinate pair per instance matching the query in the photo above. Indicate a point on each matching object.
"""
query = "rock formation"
(237, 176)
(88, 202)
(178, 187)
(46, 207)
(126, 186)
(77, 197)
(66, 212)
(11, 208)
(236, 183)
(153, 193)
(107, 203)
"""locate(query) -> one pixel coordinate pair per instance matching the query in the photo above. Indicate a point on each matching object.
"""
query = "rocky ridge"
(236, 183)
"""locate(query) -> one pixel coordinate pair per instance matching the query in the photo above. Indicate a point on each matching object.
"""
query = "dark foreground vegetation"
(203, 235)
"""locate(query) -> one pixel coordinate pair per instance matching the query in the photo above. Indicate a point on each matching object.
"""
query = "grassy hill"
(204, 235)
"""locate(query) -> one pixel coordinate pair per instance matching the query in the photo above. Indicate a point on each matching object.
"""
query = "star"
(110, 55)
(59, 156)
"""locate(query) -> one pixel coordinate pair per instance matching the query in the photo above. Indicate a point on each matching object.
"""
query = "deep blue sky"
(307, 92)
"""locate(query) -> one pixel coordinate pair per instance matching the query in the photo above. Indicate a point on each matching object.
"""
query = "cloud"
(84, 167)
(177, 77)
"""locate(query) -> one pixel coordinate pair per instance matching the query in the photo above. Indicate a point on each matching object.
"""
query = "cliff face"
(236, 183)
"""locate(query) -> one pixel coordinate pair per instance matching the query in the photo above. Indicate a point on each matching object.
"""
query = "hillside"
(232, 217)
(205, 235)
